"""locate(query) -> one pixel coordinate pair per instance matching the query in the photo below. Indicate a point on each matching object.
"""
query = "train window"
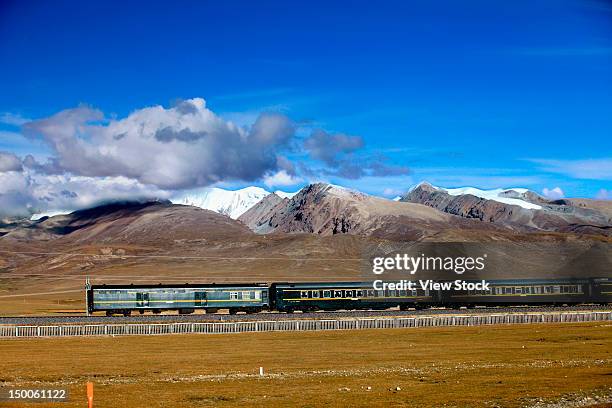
(498, 291)
(257, 295)
(246, 295)
(538, 290)
(519, 291)
(233, 295)
(350, 293)
(304, 294)
(556, 289)
(327, 293)
(337, 293)
(359, 293)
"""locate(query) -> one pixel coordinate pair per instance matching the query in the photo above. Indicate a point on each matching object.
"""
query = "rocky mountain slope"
(129, 223)
(227, 202)
(324, 233)
(256, 217)
(326, 209)
(517, 209)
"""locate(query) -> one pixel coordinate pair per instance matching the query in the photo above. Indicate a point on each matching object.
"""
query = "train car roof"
(298, 285)
(548, 281)
(181, 285)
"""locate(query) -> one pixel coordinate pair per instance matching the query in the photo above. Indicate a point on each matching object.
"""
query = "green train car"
(529, 292)
(289, 297)
(122, 299)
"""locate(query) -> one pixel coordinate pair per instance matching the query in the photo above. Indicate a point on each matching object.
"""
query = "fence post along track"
(298, 325)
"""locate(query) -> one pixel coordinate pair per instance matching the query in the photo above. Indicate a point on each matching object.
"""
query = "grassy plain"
(503, 366)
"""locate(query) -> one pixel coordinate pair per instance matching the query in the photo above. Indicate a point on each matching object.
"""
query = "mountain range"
(324, 232)
(517, 209)
(227, 202)
(232, 203)
(325, 209)
(424, 212)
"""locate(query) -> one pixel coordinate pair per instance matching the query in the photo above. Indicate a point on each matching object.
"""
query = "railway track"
(202, 318)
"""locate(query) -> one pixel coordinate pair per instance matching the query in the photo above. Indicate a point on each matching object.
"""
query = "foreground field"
(505, 366)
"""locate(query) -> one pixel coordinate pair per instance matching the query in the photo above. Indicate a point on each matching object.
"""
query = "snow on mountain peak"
(232, 203)
(498, 194)
(53, 213)
(343, 191)
(284, 194)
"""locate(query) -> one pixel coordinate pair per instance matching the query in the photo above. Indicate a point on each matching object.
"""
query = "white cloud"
(329, 148)
(553, 194)
(74, 192)
(12, 119)
(15, 194)
(604, 194)
(593, 169)
(393, 192)
(281, 178)
(181, 147)
(23, 193)
(9, 162)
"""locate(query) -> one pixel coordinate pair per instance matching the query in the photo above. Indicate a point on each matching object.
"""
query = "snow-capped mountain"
(232, 203)
(284, 194)
(512, 196)
(517, 209)
(38, 216)
(226, 202)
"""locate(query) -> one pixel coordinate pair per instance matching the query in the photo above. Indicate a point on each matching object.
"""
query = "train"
(330, 296)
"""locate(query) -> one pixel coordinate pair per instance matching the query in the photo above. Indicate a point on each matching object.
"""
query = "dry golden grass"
(503, 366)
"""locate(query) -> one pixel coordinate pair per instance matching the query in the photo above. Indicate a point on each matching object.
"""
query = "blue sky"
(481, 93)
